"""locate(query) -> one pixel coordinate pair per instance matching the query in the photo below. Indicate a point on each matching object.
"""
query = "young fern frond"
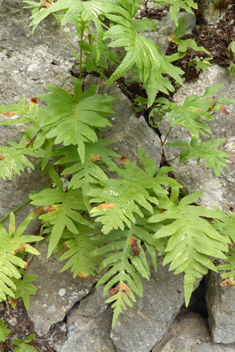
(121, 198)
(10, 244)
(73, 118)
(127, 259)
(79, 249)
(191, 238)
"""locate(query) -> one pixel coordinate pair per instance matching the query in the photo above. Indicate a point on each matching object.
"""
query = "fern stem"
(98, 85)
(21, 206)
(80, 64)
(167, 135)
(172, 159)
(72, 48)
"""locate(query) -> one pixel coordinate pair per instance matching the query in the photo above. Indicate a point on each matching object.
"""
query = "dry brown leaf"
(134, 246)
(227, 282)
(84, 276)
(124, 158)
(2, 157)
(95, 157)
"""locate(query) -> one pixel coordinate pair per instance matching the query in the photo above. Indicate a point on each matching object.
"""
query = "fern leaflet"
(121, 198)
(72, 118)
(10, 244)
(192, 239)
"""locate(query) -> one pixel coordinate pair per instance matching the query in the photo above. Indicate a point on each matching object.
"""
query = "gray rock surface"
(190, 333)
(219, 191)
(129, 131)
(56, 292)
(221, 309)
(89, 325)
(141, 327)
(16, 191)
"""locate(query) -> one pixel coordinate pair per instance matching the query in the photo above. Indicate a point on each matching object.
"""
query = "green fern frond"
(214, 158)
(24, 288)
(10, 244)
(62, 211)
(127, 259)
(193, 107)
(89, 172)
(225, 224)
(4, 332)
(121, 198)
(192, 239)
(176, 5)
(72, 119)
(79, 248)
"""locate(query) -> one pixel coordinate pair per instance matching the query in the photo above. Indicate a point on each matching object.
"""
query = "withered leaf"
(223, 110)
(33, 101)
(89, 37)
(39, 210)
(2, 157)
(213, 105)
(26, 265)
(124, 158)
(84, 276)
(10, 114)
(95, 157)
(65, 246)
(134, 246)
(119, 287)
(51, 208)
(227, 282)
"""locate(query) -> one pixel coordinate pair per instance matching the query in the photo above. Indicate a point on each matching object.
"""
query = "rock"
(89, 325)
(129, 131)
(16, 191)
(141, 327)
(56, 292)
(219, 191)
(212, 14)
(188, 333)
(221, 309)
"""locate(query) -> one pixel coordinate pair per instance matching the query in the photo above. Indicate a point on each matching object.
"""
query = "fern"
(89, 172)
(4, 332)
(176, 5)
(24, 288)
(182, 44)
(214, 158)
(72, 118)
(23, 346)
(125, 255)
(10, 244)
(79, 248)
(191, 238)
(194, 107)
(61, 207)
(122, 198)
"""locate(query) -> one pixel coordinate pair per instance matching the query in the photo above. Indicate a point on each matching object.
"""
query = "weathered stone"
(212, 14)
(221, 309)
(89, 325)
(219, 191)
(56, 292)
(129, 131)
(190, 333)
(141, 327)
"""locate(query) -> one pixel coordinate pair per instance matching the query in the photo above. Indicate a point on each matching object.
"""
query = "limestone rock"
(89, 325)
(190, 333)
(56, 292)
(221, 309)
(219, 191)
(141, 327)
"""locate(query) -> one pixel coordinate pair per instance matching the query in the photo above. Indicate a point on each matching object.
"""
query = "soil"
(216, 41)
